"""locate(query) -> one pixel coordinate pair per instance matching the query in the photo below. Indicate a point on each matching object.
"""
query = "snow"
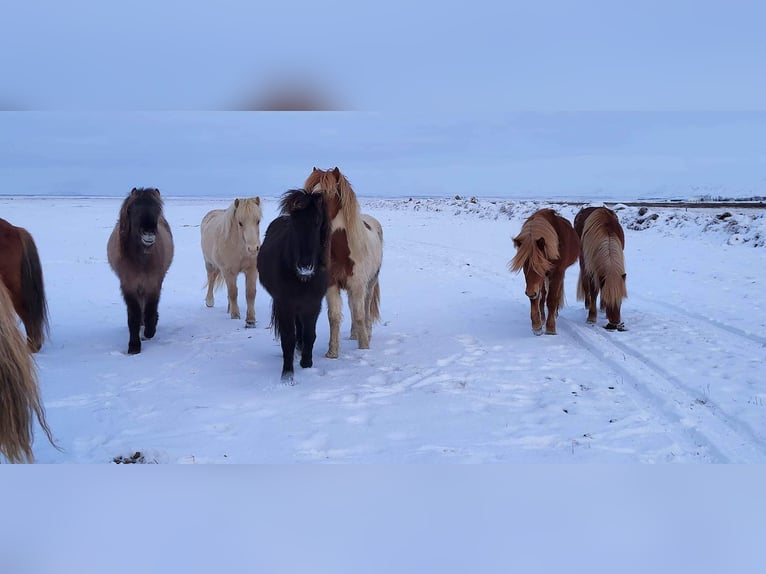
(454, 373)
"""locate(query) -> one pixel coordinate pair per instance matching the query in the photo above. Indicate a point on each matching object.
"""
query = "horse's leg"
(134, 322)
(334, 315)
(251, 279)
(592, 291)
(212, 276)
(555, 284)
(285, 316)
(535, 315)
(309, 335)
(151, 316)
(357, 302)
(298, 332)
(231, 286)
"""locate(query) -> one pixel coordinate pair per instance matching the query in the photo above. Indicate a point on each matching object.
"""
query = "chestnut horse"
(602, 264)
(356, 255)
(140, 250)
(230, 241)
(293, 268)
(22, 274)
(20, 399)
(546, 245)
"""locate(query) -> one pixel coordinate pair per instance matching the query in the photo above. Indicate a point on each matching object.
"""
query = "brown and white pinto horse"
(22, 274)
(546, 245)
(356, 255)
(602, 264)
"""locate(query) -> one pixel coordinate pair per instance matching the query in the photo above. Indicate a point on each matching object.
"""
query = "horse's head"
(140, 216)
(247, 217)
(308, 230)
(536, 249)
(336, 189)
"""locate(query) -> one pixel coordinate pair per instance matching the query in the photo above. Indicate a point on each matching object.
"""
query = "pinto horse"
(140, 251)
(20, 400)
(602, 264)
(230, 240)
(546, 245)
(356, 255)
(22, 274)
(292, 265)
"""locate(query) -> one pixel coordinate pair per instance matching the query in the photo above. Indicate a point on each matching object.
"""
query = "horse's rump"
(603, 242)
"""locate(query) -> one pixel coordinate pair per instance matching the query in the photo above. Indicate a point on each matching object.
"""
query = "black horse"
(140, 250)
(292, 266)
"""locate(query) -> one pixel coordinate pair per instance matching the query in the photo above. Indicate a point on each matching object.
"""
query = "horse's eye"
(240, 224)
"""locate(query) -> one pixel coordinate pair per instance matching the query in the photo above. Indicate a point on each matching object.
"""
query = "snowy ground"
(454, 373)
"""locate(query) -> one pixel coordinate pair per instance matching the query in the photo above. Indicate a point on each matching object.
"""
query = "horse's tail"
(274, 325)
(35, 302)
(580, 285)
(375, 303)
(19, 390)
(614, 289)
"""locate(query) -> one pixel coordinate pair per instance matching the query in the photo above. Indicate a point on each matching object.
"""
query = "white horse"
(231, 239)
(356, 255)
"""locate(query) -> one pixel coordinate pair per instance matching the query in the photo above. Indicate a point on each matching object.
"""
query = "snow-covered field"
(454, 373)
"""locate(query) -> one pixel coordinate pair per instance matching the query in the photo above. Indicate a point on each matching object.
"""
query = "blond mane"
(528, 252)
(337, 190)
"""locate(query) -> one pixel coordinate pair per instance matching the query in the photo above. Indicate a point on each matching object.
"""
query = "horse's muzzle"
(305, 273)
(148, 239)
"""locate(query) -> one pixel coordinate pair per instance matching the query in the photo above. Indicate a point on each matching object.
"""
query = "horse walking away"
(140, 251)
(230, 241)
(292, 264)
(356, 256)
(22, 274)
(602, 264)
(546, 245)
(20, 401)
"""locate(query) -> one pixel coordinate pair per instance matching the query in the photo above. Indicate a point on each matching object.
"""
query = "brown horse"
(19, 390)
(22, 274)
(602, 264)
(356, 255)
(545, 247)
(140, 251)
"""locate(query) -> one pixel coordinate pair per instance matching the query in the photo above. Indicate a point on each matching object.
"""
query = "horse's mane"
(527, 243)
(337, 188)
(251, 205)
(149, 195)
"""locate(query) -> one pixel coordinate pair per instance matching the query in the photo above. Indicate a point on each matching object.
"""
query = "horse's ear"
(133, 191)
(624, 275)
(541, 244)
(314, 169)
(157, 190)
(336, 172)
(516, 242)
(257, 200)
(236, 202)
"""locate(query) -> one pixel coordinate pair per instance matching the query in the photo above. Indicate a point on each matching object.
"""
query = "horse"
(22, 274)
(230, 241)
(356, 256)
(546, 246)
(140, 251)
(292, 264)
(20, 400)
(602, 264)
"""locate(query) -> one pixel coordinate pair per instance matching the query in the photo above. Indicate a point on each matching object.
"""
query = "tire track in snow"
(725, 438)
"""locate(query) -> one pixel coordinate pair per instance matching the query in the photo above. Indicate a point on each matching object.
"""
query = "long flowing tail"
(19, 391)
(375, 303)
(36, 304)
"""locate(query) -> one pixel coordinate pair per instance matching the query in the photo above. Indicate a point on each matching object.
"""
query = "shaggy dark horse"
(292, 266)
(22, 274)
(602, 264)
(546, 246)
(140, 251)
(19, 391)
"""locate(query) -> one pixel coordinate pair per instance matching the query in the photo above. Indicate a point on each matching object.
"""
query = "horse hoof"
(331, 355)
(133, 350)
(209, 303)
(538, 332)
(590, 321)
(288, 378)
(307, 364)
(249, 324)
(550, 332)
(615, 326)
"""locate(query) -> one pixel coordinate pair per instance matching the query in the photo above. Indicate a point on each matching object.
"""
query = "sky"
(606, 155)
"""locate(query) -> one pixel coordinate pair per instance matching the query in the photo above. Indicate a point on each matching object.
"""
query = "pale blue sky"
(596, 155)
